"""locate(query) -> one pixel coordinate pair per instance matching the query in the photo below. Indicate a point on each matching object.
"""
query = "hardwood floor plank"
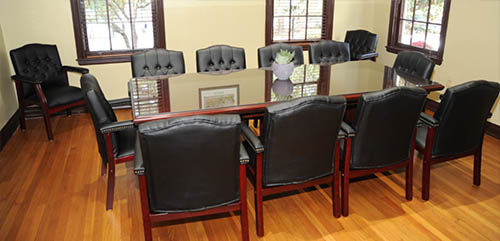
(54, 191)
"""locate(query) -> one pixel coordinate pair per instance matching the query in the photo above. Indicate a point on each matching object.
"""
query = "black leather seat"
(157, 62)
(414, 63)
(457, 128)
(297, 149)
(220, 58)
(41, 79)
(268, 53)
(383, 136)
(363, 44)
(116, 140)
(329, 52)
(191, 166)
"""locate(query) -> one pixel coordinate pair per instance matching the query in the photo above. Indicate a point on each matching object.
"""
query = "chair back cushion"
(329, 52)
(462, 115)
(361, 42)
(414, 63)
(40, 62)
(100, 111)
(384, 125)
(191, 163)
(220, 58)
(268, 53)
(157, 62)
(299, 139)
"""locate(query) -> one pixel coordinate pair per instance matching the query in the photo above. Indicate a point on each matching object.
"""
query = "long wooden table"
(249, 91)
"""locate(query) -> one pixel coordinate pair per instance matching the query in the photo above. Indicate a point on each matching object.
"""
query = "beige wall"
(194, 24)
(472, 49)
(8, 102)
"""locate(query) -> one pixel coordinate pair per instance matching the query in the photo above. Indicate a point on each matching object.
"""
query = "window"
(419, 25)
(109, 31)
(298, 21)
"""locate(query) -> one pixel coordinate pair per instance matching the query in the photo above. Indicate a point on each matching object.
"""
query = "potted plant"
(283, 65)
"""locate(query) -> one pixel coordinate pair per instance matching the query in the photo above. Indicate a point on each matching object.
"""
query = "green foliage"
(284, 56)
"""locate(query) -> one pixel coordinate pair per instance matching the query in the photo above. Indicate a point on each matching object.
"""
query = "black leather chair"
(268, 53)
(41, 79)
(414, 63)
(115, 139)
(157, 62)
(457, 128)
(220, 58)
(191, 166)
(329, 52)
(383, 137)
(363, 44)
(298, 149)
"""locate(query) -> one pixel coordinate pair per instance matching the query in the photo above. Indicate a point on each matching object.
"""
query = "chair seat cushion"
(60, 95)
(126, 142)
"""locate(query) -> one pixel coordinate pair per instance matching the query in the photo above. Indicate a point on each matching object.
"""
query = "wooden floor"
(54, 191)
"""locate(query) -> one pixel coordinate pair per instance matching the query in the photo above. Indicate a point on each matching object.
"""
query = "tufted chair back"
(157, 62)
(220, 58)
(191, 163)
(268, 53)
(299, 139)
(414, 63)
(385, 122)
(361, 42)
(329, 52)
(462, 114)
(100, 111)
(38, 61)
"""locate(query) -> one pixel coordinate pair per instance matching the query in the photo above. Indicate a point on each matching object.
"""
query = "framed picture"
(217, 97)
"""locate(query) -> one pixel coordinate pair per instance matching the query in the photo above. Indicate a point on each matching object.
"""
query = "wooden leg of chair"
(48, 127)
(335, 182)
(22, 120)
(409, 170)
(19, 89)
(345, 178)
(259, 198)
(426, 179)
(477, 166)
(243, 203)
(111, 185)
(146, 221)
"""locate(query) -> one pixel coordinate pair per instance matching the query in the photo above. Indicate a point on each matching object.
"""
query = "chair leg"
(258, 197)
(409, 181)
(243, 203)
(345, 177)
(426, 179)
(335, 182)
(477, 166)
(146, 220)
(19, 90)
(111, 186)
(48, 127)
(22, 120)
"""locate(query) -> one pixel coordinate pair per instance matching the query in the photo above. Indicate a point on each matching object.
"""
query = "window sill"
(303, 44)
(104, 59)
(433, 56)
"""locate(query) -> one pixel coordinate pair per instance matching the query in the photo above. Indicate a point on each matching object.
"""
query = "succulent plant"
(284, 56)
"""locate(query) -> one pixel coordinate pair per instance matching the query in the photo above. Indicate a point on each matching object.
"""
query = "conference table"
(247, 92)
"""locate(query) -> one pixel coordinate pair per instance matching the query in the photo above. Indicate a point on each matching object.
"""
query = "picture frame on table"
(221, 96)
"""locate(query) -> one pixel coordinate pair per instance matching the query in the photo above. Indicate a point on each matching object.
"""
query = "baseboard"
(9, 129)
(490, 129)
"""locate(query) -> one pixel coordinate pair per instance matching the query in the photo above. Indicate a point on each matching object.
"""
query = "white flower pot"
(283, 71)
(282, 87)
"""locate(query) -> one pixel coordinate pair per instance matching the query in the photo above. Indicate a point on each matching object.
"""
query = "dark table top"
(251, 90)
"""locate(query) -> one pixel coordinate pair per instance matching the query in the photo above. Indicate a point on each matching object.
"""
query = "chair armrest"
(117, 126)
(252, 139)
(138, 161)
(26, 79)
(368, 55)
(428, 120)
(75, 69)
(244, 157)
(347, 129)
